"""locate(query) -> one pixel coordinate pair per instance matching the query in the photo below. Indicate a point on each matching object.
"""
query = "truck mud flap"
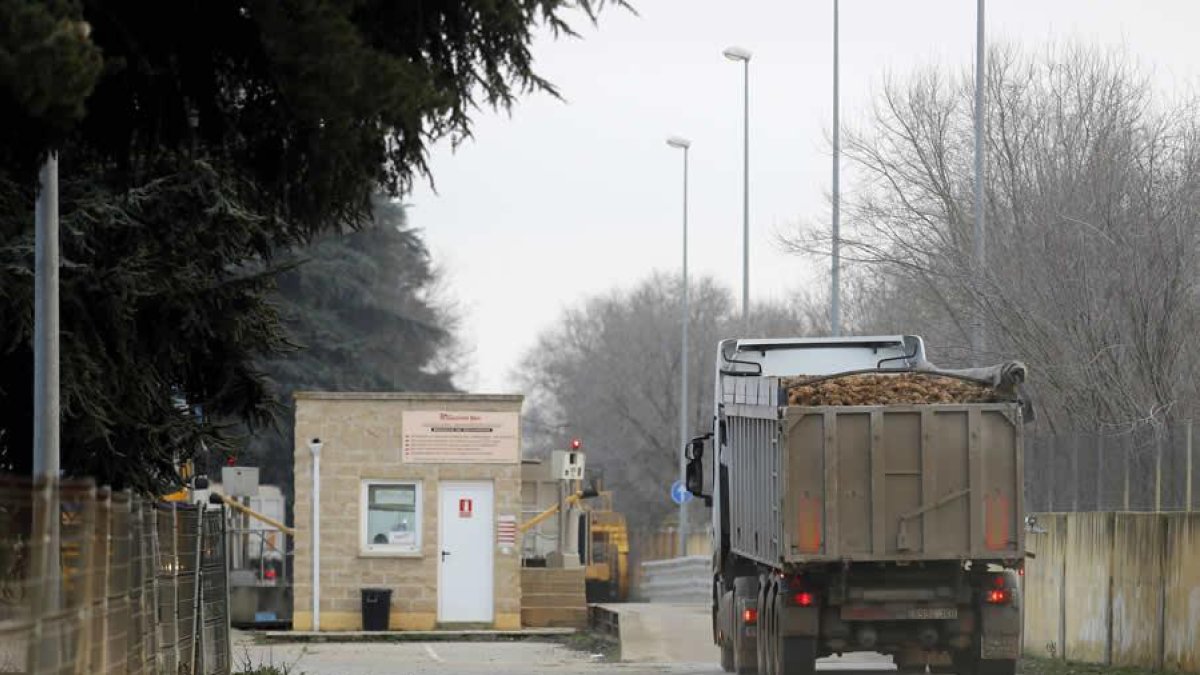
(799, 621)
(1000, 636)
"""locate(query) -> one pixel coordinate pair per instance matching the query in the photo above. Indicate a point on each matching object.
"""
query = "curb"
(417, 635)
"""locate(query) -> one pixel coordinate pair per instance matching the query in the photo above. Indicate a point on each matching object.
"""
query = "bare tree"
(1092, 202)
(609, 374)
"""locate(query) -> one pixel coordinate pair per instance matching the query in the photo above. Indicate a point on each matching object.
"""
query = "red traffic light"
(576, 444)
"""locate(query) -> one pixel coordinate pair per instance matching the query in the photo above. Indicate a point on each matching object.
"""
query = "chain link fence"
(1149, 470)
(113, 584)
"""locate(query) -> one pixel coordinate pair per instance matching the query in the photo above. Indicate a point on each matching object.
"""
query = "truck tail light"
(750, 616)
(998, 596)
(804, 599)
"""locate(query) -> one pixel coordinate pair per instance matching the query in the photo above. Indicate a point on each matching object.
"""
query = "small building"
(420, 494)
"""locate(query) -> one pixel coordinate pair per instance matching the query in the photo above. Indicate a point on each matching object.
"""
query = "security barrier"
(113, 584)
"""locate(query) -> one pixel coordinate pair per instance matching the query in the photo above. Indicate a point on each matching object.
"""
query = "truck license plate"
(933, 613)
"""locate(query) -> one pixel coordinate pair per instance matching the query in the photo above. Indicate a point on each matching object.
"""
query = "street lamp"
(683, 144)
(835, 291)
(980, 251)
(743, 55)
(47, 414)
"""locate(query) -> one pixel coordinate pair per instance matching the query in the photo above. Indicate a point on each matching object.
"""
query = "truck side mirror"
(695, 466)
(695, 477)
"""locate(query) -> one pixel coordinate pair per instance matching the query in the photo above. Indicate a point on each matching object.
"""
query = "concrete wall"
(362, 440)
(1181, 643)
(1137, 588)
(1045, 627)
(687, 579)
(1115, 588)
(1089, 569)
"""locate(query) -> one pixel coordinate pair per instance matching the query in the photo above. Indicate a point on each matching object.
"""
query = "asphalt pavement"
(445, 658)
(655, 639)
(467, 658)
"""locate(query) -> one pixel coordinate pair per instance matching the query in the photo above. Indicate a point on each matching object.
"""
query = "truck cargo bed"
(873, 483)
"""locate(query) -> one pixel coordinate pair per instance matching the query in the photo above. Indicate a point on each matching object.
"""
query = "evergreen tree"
(360, 310)
(197, 140)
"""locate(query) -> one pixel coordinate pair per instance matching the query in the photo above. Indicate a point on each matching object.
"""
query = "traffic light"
(576, 444)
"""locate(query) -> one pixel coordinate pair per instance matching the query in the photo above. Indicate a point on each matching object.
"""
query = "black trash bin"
(376, 606)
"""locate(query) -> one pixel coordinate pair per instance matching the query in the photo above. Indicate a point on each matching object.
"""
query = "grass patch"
(1042, 666)
(246, 666)
(599, 647)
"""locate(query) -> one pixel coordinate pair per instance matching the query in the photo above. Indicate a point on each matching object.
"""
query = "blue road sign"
(679, 493)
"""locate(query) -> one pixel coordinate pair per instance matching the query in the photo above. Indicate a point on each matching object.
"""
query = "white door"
(465, 568)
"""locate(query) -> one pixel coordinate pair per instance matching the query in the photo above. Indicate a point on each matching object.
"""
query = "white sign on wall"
(442, 437)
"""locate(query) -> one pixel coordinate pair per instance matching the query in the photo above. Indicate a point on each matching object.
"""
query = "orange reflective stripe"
(997, 518)
(808, 521)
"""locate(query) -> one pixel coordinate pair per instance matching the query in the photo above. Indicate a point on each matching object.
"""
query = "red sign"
(465, 507)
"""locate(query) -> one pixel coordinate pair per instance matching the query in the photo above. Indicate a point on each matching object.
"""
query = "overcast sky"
(562, 200)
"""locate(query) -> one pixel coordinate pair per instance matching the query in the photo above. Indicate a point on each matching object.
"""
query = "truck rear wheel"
(727, 657)
(745, 645)
(797, 655)
(780, 655)
(766, 658)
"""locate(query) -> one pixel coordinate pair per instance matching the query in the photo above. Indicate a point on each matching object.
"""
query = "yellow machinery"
(603, 543)
(606, 555)
(185, 473)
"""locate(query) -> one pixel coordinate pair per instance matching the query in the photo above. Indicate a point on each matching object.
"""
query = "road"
(656, 639)
(493, 658)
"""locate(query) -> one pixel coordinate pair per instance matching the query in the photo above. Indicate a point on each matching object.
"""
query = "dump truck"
(863, 500)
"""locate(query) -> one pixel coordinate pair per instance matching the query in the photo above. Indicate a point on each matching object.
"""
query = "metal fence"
(125, 585)
(1149, 470)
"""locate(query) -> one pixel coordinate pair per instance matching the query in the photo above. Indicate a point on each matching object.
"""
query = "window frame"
(368, 549)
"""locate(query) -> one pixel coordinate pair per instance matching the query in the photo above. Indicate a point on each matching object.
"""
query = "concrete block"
(1044, 587)
(1137, 589)
(1088, 607)
(554, 617)
(1182, 579)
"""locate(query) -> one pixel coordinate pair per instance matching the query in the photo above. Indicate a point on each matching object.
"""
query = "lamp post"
(46, 415)
(683, 144)
(980, 251)
(835, 291)
(743, 55)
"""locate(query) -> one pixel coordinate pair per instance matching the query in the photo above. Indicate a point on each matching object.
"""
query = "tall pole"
(746, 193)
(980, 251)
(46, 428)
(743, 55)
(835, 299)
(684, 145)
(315, 447)
(683, 378)
(45, 326)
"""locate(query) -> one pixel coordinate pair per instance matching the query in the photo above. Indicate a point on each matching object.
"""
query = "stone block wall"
(362, 434)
